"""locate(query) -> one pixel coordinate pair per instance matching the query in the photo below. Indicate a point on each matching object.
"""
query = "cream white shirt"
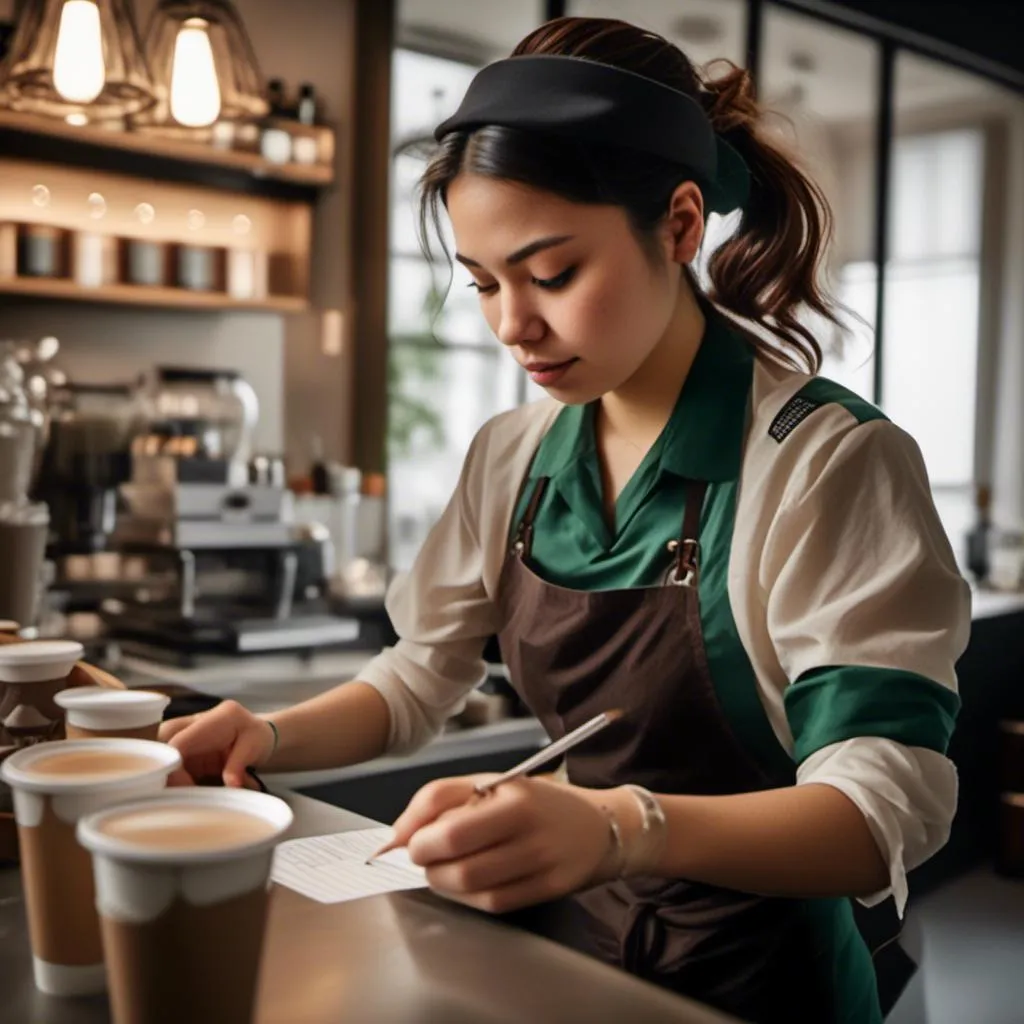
(887, 594)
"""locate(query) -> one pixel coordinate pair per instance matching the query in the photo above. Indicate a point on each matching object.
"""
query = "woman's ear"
(684, 224)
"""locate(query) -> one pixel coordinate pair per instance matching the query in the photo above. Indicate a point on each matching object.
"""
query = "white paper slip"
(333, 869)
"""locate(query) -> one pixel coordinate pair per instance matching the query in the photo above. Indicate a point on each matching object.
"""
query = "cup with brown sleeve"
(54, 785)
(32, 673)
(182, 893)
(94, 711)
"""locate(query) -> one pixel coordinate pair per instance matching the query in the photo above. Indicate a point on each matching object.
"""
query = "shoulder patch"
(828, 392)
(816, 393)
(791, 415)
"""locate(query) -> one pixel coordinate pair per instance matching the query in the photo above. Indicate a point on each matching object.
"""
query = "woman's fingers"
(492, 868)
(472, 826)
(173, 726)
(223, 741)
(249, 747)
(430, 802)
(523, 892)
(527, 841)
(180, 777)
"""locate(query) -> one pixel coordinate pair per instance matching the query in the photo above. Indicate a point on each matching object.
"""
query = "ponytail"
(770, 270)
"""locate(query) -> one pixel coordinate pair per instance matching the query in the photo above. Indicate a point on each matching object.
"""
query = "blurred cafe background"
(235, 394)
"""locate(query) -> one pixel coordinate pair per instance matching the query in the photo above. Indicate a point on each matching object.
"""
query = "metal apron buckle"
(684, 572)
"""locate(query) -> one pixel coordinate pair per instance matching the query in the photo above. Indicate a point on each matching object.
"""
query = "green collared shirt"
(573, 545)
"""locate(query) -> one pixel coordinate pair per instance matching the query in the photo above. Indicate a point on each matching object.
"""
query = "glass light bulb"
(195, 92)
(78, 68)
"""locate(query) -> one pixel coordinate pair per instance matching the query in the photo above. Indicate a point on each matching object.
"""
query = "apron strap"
(524, 534)
(687, 547)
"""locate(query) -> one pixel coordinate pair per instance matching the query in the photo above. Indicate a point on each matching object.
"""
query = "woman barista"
(741, 556)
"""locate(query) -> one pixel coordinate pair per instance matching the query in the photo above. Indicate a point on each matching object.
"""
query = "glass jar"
(200, 413)
(18, 432)
(42, 377)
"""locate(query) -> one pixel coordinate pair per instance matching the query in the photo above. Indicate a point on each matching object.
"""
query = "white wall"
(1008, 442)
(299, 41)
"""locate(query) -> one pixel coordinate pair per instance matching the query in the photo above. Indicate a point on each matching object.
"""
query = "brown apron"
(572, 654)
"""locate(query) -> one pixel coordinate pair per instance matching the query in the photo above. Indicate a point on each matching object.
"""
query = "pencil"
(542, 757)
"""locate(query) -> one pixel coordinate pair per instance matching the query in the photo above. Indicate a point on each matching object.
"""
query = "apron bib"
(573, 654)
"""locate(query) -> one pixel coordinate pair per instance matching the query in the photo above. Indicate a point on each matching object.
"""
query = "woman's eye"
(556, 282)
(549, 283)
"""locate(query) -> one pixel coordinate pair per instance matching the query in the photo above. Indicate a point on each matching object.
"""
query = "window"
(820, 85)
(930, 360)
(447, 374)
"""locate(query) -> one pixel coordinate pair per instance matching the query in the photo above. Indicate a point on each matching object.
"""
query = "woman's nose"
(519, 323)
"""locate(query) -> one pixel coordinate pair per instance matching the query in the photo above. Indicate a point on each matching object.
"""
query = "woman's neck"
(639, 409)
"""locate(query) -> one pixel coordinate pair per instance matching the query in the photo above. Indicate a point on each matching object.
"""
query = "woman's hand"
(525, 842)
(219, 743)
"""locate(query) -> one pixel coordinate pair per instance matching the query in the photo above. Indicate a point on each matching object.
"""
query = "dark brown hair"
(766, 273)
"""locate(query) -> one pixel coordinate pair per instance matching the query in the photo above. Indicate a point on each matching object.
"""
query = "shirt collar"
(703, 439)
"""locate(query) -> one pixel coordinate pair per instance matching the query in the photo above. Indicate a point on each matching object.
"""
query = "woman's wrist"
(273, 741)
(645, 854)
(637, 831)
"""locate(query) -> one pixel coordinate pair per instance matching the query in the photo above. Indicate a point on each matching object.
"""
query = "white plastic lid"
(37, 661)
(17, 772)
(100, 707)
(271, 809)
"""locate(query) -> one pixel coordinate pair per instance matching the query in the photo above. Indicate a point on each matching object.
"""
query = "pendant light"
(204, 68)
(77, 59)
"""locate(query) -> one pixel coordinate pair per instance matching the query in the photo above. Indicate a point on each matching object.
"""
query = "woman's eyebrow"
(524, 253)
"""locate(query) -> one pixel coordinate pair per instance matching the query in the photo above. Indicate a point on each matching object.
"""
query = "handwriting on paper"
(333, 869)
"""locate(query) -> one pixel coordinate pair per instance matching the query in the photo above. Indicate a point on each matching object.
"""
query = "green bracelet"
(277, 737)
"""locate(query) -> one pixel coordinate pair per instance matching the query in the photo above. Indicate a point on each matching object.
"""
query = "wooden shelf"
(26, 135)
(142, 295)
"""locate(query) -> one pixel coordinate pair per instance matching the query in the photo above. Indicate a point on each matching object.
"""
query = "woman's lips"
(547, 374)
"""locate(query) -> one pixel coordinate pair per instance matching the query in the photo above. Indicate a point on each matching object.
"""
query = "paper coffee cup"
(181, 889)
(37, 661)
(92, 711)
(31, 673)
(54, 785)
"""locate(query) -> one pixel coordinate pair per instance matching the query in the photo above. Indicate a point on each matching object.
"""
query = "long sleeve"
(443, 610)
(868, 615)
(443, 617)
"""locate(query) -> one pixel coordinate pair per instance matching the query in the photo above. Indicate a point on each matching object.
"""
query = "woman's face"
(566, 286)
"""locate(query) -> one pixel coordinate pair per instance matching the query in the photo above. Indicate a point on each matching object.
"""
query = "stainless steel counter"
(398, 959)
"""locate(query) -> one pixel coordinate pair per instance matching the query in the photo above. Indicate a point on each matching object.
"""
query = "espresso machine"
(226, 569)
